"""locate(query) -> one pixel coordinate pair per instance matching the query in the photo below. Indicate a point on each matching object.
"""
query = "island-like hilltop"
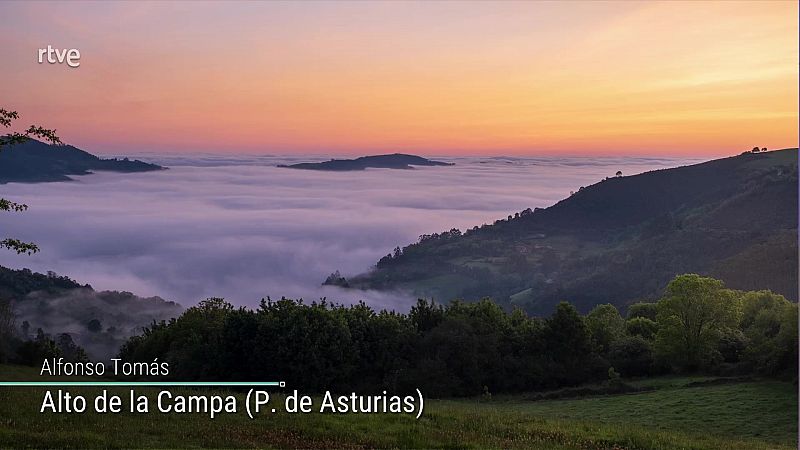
(393, 161)
(35, 161)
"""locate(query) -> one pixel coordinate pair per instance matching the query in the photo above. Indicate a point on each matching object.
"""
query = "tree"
(731, 344)
(69, 349)
(606, 326)
(643, 309)
(642, 327)
(31, 353)
(769, 322)
(691, 316)
(568, 343)
(426, 315)
(756, 302)
(94, 326)
(7, 325)
(631, 356)
(10, 139)
(336, 279)
(7, 319)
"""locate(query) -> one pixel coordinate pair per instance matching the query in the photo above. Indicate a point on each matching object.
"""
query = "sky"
(458, 78)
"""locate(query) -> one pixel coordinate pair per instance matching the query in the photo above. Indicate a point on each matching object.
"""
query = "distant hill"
(619, 240)
(394, 161)
(58, 304)
(35, 161)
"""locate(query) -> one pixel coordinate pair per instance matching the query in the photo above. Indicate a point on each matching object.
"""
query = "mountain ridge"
(388, 161)
(619, 240)
(59, 304)
(35, 162)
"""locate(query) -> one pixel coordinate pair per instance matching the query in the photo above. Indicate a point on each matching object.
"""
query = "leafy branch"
(14, 138)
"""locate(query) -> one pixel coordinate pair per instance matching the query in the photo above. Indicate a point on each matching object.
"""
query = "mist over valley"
(242, 228)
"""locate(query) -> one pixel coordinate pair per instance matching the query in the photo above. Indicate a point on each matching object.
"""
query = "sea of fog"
(243, 229)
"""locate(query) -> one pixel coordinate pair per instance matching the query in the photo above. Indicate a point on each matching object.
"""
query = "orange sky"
(676, 78)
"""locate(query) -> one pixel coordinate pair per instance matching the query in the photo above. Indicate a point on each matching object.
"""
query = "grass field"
(740, 415)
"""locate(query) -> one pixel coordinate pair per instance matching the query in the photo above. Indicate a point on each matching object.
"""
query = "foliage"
(461, 348)
(641, 326)
(605, 325)
(16, 284)
(567, 341)
(34, 131)
(7, 327)
(769, 323)
(632, 356)
(33, 352)
(69, 350)
(643, 309)
(94, 326)
(14, 138)
(446, 350)
(336, 279)
(694, 312)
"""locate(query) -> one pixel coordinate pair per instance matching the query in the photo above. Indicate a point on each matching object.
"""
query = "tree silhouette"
(95, 326)
(14, 138)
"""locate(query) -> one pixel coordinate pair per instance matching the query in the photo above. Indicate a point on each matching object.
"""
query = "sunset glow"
(673, 78)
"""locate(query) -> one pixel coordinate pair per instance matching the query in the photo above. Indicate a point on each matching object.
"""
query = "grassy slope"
(761, 409)
(746, 415)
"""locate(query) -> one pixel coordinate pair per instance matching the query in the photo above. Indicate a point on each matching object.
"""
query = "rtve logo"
(70, 57)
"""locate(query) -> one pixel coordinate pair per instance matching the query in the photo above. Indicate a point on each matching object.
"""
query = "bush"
(32, 353)
(643, 309)
(642, 327)
(605, 325)
(632, 356)
(731, 345)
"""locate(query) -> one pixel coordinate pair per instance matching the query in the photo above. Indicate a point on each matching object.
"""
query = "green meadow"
(679, 413)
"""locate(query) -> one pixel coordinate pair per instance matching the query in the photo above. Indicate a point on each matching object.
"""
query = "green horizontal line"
(139, 383)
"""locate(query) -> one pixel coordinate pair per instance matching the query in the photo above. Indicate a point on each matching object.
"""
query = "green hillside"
(619, 240)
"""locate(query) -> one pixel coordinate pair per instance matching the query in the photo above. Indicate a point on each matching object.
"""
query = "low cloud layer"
(120, 315)
(243, 229)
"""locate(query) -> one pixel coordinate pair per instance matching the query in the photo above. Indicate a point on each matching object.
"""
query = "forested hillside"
(619, 240)
(99, 321)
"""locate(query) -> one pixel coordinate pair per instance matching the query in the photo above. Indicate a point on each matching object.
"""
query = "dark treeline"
(469, 348)
(461, 348)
